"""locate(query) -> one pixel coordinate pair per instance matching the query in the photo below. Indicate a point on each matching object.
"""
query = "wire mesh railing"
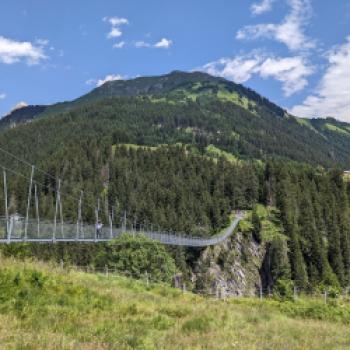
(17, 229)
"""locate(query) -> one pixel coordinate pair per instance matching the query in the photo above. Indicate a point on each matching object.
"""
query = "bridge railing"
(17, 229)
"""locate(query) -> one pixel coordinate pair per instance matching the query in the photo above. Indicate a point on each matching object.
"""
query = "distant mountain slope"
(194, 108)
(20, 116)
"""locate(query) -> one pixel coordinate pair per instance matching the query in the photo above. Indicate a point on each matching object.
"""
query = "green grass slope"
(44, 307)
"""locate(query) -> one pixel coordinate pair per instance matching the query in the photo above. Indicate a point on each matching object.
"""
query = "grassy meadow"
(45, 307)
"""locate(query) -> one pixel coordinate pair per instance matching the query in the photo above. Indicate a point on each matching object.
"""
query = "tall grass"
(45, 307)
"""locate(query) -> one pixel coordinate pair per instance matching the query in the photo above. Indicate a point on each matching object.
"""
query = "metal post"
(111, 226)
(37, 208)
(8, 235)
(28, 204)
(61, 212)
(79, 223)
(96, 214)
(124, 221)
(56, 211)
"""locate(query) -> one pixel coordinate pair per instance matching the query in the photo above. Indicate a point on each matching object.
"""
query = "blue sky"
(295, 52)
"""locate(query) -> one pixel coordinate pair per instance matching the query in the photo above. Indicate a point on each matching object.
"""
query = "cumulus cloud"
(163, 44)
(116, 23)
(290, 71)
(289, 32)
(332, 96)
(109, 77)
(12, 51)
(262, 7)
(2, 95)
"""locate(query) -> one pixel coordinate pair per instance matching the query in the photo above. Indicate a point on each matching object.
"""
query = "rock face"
(231, 268)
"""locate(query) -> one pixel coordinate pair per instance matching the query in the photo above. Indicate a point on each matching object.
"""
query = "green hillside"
(45, 307)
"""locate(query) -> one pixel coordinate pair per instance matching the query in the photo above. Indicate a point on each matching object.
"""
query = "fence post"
(147, 280)
(106, 270)
(295, 294)
(325, 296)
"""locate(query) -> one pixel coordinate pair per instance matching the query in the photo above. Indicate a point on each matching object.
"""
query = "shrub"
(283, 289)
(138, 256)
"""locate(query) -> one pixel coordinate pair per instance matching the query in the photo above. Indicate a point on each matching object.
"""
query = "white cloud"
(12, 51)
(114, 33)
(289, 32)
(262, 7)
(290, 71)
(119, 45)
(163, 44)
(109, 77)
(116, 23)
(2, 95)
(19, 105)
(42, 42)
(141, 44)
(332, 96)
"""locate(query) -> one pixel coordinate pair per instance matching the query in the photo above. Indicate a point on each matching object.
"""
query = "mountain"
(209, 110)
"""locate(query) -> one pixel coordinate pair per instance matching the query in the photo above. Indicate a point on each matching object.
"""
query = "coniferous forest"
(179, 163)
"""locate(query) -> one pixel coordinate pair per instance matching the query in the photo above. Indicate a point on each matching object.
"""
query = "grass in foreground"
(43, 307)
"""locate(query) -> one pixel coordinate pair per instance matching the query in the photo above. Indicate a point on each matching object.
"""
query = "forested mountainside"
(183, 151)
(201, 109)
(179, 189)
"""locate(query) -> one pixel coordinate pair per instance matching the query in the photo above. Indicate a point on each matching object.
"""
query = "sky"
(294, 52)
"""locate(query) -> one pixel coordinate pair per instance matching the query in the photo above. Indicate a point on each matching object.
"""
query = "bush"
(284, 289)
(138, 256)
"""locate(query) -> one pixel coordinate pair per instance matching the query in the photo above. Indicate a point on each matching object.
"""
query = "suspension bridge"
(15, 228)
(13, 231)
